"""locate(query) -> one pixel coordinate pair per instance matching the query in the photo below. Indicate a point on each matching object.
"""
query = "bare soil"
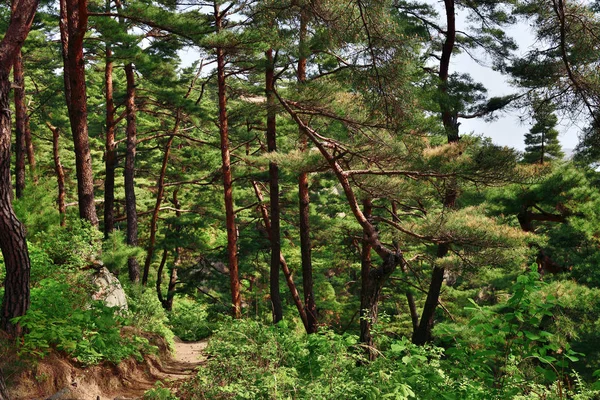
(56, 378)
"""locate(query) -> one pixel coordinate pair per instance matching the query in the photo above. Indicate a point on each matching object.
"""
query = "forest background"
(303, 194)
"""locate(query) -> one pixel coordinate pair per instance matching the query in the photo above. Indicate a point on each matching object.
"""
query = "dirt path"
(187, 358)
(130, 380)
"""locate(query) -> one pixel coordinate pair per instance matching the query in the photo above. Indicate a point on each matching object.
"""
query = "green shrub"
(146, 312)
(159, 392)
(255, 361)
(115, 253)
(73, 246)
(188, 320)
(57, 320)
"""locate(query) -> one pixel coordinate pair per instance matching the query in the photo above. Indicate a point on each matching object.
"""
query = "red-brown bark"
(236, 299)
(12, 234)
(76, 27)
(284, 266)
(110, 152)
(60, 174)
(130, 201)
(20, 119)
(159, 196)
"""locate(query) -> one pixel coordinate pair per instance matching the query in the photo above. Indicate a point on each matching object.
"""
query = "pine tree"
(12, 233)
(542, 139)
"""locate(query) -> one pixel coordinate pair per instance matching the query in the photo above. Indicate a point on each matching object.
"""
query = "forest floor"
(128, 380)
(187, 357)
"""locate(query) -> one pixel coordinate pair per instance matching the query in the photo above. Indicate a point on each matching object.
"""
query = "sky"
(510, 128)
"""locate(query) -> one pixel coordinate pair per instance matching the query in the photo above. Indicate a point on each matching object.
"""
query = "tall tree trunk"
(12, 234)
(110, 156)
(159, 273)
(30, 151)
(130, 202)
(284, 267)
(166, 302)
(391, 258)
(369, 295)
(160, 185)
(304, 198)
(236, 300)
(177, 259)
(60, 174)
(159, 195)
(20, 122)
(77, 17)
(275, 232)
(449, 118)
(410, 299)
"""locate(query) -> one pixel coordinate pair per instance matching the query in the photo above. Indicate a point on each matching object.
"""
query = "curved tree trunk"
(284, 267)
(12, 234)
(130, 201)
(159, 195)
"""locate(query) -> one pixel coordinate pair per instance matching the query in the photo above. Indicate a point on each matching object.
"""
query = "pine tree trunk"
(60, 174)
(77, 17)
(410, 299)
(236, 300)
(171, 289)
(130, 201)
(449, 119)
(159, 195)
(12, 234)
(110, 156)
(30, 151)
(310, 306)
(369, 295)
(20, 119)
(275, 235)
(423, 333)
(159, 273)
(284, 267)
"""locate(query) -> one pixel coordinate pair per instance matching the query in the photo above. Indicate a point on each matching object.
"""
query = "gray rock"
(109, 289)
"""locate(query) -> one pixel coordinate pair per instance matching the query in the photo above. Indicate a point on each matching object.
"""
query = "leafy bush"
(90, 335)
(254, 361)
(115, 253)
(513, 348)
(159, 392)
(74, 246)
(146, 312)
(188, 320)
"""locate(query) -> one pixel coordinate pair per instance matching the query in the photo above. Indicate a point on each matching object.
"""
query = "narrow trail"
(187, 358)
(128, 380)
